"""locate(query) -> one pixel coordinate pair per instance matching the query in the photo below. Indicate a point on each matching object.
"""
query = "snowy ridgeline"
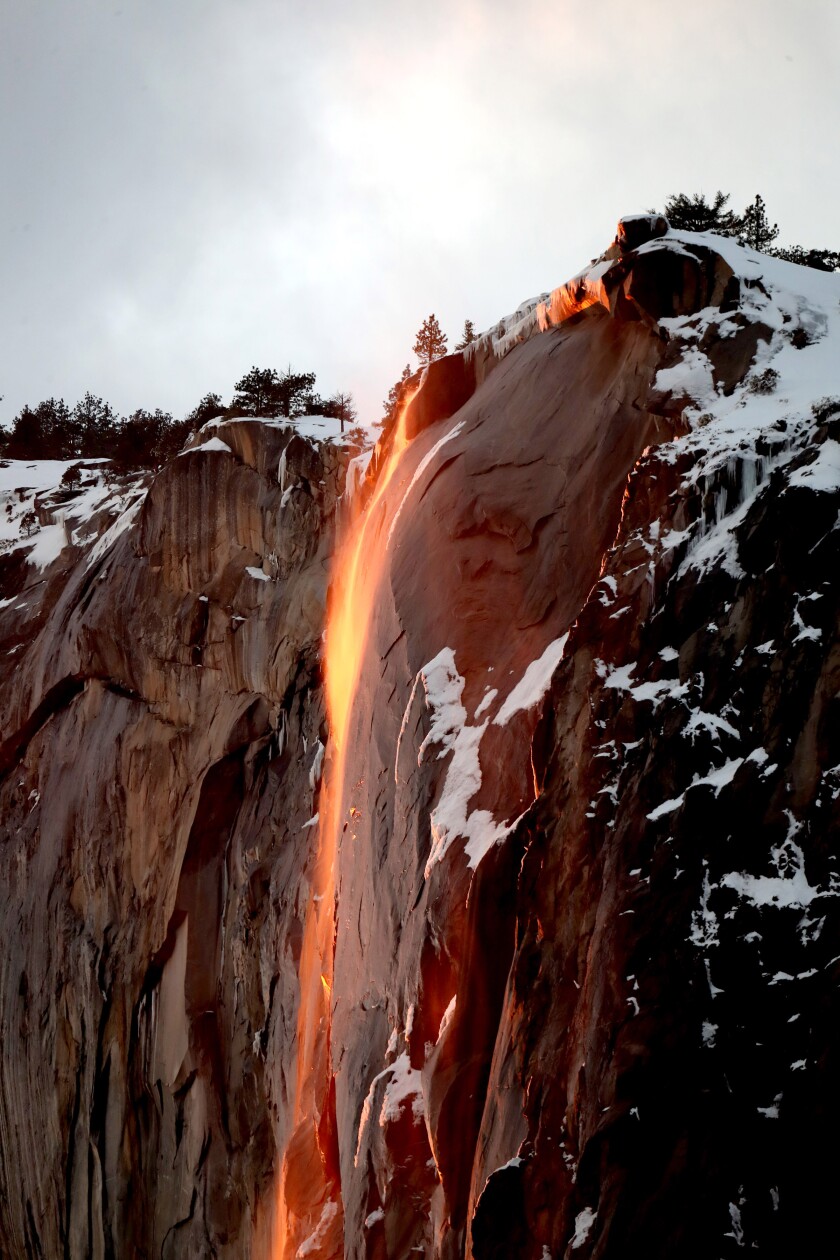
(312, 428)
(41, 517)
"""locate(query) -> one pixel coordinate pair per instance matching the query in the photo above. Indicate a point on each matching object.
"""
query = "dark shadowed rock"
(637, 229)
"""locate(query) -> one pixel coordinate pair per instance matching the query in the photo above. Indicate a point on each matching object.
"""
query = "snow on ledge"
(312, 1244)
(583, 1226)
(212, 444)
(50, 541)
(449, 730)
(823, 474)
(534, 683)
(789, 887)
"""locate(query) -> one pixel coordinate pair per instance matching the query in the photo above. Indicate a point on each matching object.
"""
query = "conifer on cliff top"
(431, 341)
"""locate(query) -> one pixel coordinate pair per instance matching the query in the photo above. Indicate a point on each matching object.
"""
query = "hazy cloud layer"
(189, 188)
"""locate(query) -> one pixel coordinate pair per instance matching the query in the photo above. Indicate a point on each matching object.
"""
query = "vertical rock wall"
(163, 722)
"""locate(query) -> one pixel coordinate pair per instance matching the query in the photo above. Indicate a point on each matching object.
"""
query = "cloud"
(189, 189)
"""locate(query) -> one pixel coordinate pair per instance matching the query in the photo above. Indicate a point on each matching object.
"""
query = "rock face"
(580, 997)
(162, 721)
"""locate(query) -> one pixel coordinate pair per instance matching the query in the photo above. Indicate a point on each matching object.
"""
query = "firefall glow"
(358, 566)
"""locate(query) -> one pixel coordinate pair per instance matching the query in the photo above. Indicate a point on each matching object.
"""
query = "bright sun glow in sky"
(191, 188)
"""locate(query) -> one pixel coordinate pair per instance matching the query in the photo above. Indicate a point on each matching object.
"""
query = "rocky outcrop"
(580, 993)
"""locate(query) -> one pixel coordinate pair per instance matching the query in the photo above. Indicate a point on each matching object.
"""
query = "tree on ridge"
(396, 394)
(341, 407)
(467, 335)
(431, 341)
(756, 230)
(254, 392)
(693, 213)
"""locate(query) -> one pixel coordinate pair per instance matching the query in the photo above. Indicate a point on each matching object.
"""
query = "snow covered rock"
(637, 229)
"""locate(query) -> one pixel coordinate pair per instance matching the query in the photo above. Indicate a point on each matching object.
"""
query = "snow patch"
(534, 683)
(486, 701)
(451, 816)
(823, 474)
(448, 1016)
(788, 888)
(405, 1083)
(123, 522)
(315, 770)
(717, 777)
(312, 1244)
(583, 1226)
(691, 376)
(212, 444)
(50, 541)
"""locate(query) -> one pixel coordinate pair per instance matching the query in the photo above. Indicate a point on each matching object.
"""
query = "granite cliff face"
(162, 724)
(538, 956)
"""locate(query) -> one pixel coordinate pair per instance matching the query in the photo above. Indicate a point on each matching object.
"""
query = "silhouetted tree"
(467, 335)
(95, 425)
(265, 392)
(396, 394)
(71, 477)
(47, 431)
(430, 343)
(209, 408)
(341, 407)
(29, 523)
(315, 405)
(173, 436)
(693, 213)
(141, 439)
(819, 259)
(254, 392)
(293, 393)
(757, 231)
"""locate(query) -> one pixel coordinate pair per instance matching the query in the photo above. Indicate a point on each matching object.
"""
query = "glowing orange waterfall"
(304, 1204)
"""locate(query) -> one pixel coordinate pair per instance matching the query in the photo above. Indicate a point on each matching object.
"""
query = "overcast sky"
(192, 186)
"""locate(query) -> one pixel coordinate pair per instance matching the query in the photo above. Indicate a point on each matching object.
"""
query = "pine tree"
(209, 408)
(143, 440)
(29, 524)
(45, 432)
(341, 407)
(695, 214)
(71, 477)
(396, 394)
(254, 392)
(292, 393)
(757, 231)
(96, 424)
(819, 259)
(467, 335)
(431, 341)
